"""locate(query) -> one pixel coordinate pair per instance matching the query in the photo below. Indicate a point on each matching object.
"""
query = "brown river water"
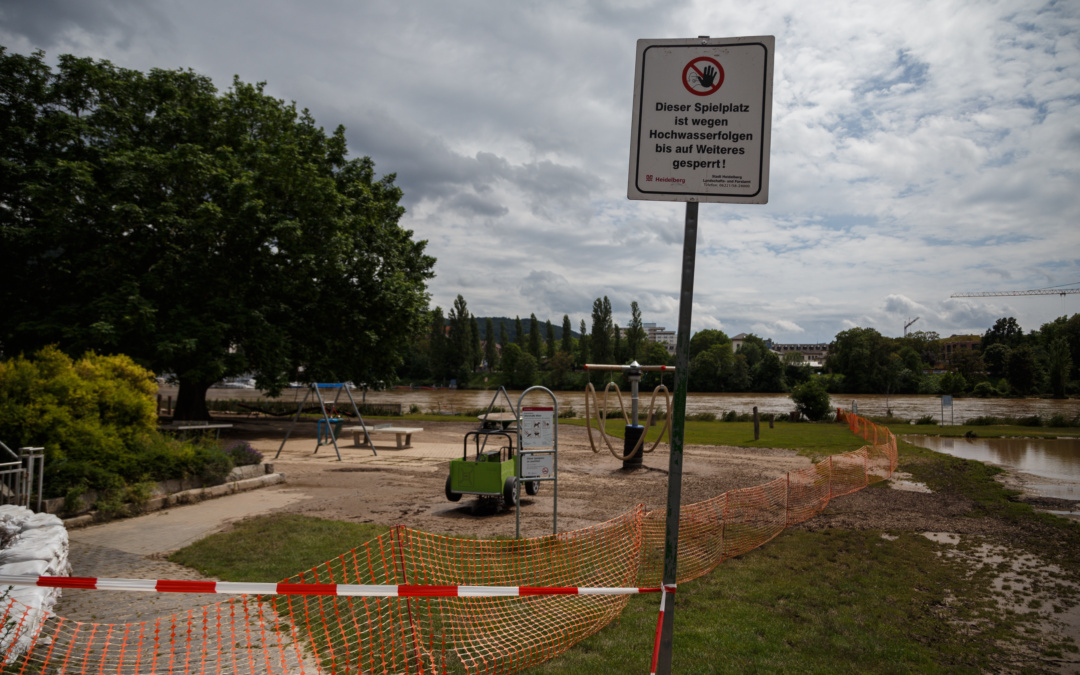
(910, 407)
(1058, 460)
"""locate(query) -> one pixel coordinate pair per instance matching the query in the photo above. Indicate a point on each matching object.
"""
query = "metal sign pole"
(678, 419)
(536, 446)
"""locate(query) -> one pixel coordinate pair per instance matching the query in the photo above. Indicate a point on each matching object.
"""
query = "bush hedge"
(96, 417)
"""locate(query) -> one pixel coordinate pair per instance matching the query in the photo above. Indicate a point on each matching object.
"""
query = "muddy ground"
(407, 486)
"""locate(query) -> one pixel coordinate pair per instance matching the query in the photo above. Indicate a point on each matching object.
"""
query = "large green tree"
(635, 333)
(864, 357)
(601, 346)
(534, 337)
(491, 354)
(461, 332)
(205, 234)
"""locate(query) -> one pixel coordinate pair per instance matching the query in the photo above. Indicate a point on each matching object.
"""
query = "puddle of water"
(1056, 458)
(903, 482)
(1071, 492)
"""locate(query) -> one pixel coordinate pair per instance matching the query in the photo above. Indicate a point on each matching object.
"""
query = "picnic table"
(497, 420)
(402, 433)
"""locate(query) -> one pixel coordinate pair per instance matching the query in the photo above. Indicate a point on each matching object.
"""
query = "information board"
(538, 466)
(702, 120)
(536, 427)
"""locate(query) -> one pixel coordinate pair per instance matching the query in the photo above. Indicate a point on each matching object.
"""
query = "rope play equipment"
(414, 602)
(601, 419)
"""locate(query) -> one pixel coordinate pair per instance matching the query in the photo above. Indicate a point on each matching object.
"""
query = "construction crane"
(995, 294)
(908, 325)
(1053, 290)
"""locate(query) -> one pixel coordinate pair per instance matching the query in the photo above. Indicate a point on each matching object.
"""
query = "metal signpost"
(946, 402)
(701, 129)
(538, 451)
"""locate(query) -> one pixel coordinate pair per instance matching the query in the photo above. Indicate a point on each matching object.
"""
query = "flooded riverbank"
(1051, 465)
(452, 401)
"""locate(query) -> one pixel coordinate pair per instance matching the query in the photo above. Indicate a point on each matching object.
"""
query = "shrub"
(926, 419)
(242, 454)
(1029, 421)
(1060, 420)
(214, 465)
(811, 399)
(96, 418)
(984, 421)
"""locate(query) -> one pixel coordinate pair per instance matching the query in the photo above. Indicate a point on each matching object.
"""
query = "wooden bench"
(406, 432)
(185, 428)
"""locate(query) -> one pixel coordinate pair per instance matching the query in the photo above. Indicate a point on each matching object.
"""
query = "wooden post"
(772, 416)
(757, 425)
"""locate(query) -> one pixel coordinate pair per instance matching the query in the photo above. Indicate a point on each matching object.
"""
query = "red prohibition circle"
(691, 69)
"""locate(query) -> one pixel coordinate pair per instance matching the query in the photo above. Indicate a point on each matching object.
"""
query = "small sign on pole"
(536, 427)
(946, 402)
(538, 452)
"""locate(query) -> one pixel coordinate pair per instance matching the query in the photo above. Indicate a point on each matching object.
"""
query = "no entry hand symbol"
(703, 76)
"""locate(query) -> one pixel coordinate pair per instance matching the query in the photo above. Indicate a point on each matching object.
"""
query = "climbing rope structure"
(414, 602)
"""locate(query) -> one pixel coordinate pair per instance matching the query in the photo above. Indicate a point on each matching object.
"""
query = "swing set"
(329, 427)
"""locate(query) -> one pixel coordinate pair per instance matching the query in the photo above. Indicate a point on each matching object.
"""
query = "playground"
(405, 486)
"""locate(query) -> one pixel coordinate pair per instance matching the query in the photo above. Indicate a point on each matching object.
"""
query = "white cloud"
(921, 149)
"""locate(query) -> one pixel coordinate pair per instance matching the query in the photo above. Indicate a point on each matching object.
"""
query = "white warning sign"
(535, 466)
(702, 120)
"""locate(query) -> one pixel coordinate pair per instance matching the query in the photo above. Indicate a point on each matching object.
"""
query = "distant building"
(661, 335)
(959, 343)
(813, 353)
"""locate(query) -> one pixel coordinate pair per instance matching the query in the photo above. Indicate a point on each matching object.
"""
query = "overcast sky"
(918, 148)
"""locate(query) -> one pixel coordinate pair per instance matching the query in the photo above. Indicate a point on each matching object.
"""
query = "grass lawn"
(832, 601)
(273, 548)
(988, 431)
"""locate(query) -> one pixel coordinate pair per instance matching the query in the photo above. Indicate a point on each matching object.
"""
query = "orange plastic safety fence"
(331, 634)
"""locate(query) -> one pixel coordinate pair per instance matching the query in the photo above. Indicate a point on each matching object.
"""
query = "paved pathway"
(135, 548)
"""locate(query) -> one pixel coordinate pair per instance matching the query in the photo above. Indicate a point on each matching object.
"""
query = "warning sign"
(703, 76)
(538, 466)
(702, 120)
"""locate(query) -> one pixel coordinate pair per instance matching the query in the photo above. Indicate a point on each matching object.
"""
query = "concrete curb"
(189, 497)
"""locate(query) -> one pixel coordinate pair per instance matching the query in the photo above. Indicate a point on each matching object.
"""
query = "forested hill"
(510, 331)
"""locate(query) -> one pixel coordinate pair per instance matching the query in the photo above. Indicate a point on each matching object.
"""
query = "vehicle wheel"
(510, 491)
(532, 487)
(450, 494)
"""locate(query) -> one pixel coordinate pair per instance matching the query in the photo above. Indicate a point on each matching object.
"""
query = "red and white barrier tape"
(366, 591)
(664, 590)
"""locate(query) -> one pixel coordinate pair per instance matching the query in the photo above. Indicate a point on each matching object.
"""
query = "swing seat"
(323, 430)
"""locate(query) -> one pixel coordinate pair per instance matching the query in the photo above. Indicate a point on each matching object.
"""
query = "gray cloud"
(910, 159)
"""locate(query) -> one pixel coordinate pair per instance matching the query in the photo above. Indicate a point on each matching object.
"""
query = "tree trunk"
(191, 401)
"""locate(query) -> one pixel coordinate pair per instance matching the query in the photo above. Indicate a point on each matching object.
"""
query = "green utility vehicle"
(491, 473)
